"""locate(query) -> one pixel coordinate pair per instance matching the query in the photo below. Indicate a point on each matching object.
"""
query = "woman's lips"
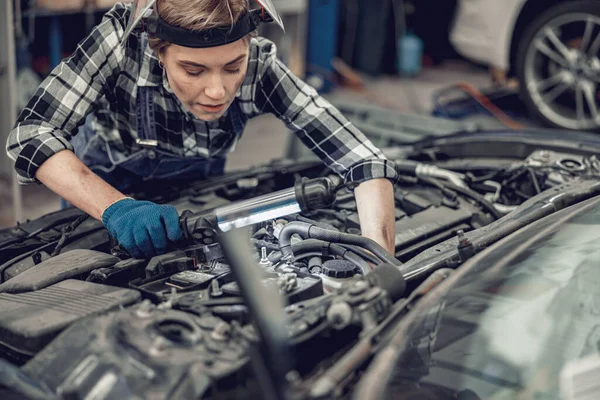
(212, 109)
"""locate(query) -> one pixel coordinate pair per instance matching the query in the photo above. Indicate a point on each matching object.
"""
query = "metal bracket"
(147, 143)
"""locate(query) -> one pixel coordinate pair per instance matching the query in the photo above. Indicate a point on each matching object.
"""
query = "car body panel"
(483, 30)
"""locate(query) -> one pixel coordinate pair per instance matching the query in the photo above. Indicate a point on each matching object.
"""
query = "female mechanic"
(162, 90)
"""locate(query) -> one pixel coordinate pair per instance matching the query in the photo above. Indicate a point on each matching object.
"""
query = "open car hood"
(80, 319)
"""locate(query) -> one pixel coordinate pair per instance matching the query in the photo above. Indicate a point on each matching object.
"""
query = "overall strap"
(146, 128)
(238, 118)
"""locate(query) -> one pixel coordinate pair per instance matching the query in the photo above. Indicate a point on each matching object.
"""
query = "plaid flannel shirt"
(102, 77)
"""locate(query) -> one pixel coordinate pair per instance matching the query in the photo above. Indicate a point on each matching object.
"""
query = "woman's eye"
(188, 73)
(233, 71)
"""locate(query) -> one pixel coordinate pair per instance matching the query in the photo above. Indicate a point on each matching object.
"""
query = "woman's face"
(206, 80)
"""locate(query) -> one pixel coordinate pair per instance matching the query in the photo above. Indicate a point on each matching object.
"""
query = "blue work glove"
(143, 228)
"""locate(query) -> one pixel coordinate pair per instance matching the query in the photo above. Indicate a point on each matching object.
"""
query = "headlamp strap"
(247, 23)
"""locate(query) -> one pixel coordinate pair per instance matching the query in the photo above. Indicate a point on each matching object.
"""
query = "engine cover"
(141, 353)
(29, 321)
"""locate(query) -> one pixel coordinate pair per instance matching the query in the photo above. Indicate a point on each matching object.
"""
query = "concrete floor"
(266, 137)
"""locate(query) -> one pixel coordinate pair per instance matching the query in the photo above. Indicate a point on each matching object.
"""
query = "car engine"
(81, 319)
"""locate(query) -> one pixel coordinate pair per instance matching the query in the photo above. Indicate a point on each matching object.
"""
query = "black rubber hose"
(445, 191)
(363, 254)
(315, 232)
(260, 232)
(263, 243)
(285, 236)
(489, 207)
(302, 218)
(320, 246)
(311, 254)
(315, 261)
(311, 245)
(347, 238)
(46, 227)
(304, 246)
(356, 260)
(67, 231)
(406, 167)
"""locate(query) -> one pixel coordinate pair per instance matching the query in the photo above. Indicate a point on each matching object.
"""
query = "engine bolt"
(215, 288)
(158, 347)
(465, 247)
(221, 332)
(145, 309)
(264, 260)
(293, 377)
(462, 239)
(358, 288)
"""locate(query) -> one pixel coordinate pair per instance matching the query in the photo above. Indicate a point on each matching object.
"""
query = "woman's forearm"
(67, 176)
(376, 211)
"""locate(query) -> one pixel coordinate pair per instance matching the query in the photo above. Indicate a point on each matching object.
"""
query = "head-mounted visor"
(144, 16)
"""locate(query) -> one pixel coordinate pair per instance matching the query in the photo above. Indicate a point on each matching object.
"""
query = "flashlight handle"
(314, 194)
(200, 227)
(306, 195)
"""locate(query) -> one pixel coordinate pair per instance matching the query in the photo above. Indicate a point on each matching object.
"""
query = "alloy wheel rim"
(562, 71)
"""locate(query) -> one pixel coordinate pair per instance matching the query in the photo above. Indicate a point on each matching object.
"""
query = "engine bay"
(80, 319)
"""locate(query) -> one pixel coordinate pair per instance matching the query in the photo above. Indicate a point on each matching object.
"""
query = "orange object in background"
(76, 5)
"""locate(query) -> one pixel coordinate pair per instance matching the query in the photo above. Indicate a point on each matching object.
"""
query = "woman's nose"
(215, 89)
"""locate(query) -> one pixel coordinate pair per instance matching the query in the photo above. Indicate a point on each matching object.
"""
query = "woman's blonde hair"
(197, 15)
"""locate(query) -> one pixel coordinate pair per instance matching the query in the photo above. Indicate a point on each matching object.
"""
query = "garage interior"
(49, 30)
(432, 235)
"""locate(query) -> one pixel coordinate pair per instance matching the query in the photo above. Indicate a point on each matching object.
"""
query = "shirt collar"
(151, 74)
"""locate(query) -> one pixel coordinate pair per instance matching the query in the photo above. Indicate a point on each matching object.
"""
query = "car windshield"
(519, 319)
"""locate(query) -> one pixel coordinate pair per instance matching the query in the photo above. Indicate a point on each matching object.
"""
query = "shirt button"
(151, 154)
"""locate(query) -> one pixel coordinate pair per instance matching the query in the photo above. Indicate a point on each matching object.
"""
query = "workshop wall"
(371, 33)
(364, 34)
(7, 85)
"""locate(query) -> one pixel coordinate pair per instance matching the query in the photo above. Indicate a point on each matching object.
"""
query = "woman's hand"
(143, 228)
(376, 211)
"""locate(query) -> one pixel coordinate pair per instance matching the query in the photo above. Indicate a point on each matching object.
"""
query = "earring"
(160, 64)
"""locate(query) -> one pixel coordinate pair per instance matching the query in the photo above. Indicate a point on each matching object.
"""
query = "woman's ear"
(161, 57)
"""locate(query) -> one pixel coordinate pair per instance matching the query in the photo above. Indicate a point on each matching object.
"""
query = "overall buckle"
(147, 143)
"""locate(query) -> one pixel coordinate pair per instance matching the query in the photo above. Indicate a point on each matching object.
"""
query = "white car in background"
(551, 46)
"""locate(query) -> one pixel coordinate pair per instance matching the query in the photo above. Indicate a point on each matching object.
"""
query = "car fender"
(483, 30)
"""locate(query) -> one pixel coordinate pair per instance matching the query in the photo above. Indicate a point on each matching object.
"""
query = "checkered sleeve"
(317, 123)
(61, 103)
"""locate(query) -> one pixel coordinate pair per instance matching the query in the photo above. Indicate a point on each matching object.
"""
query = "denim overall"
(148, 163)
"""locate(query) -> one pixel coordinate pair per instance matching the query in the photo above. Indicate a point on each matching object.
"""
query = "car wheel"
(558, 66)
